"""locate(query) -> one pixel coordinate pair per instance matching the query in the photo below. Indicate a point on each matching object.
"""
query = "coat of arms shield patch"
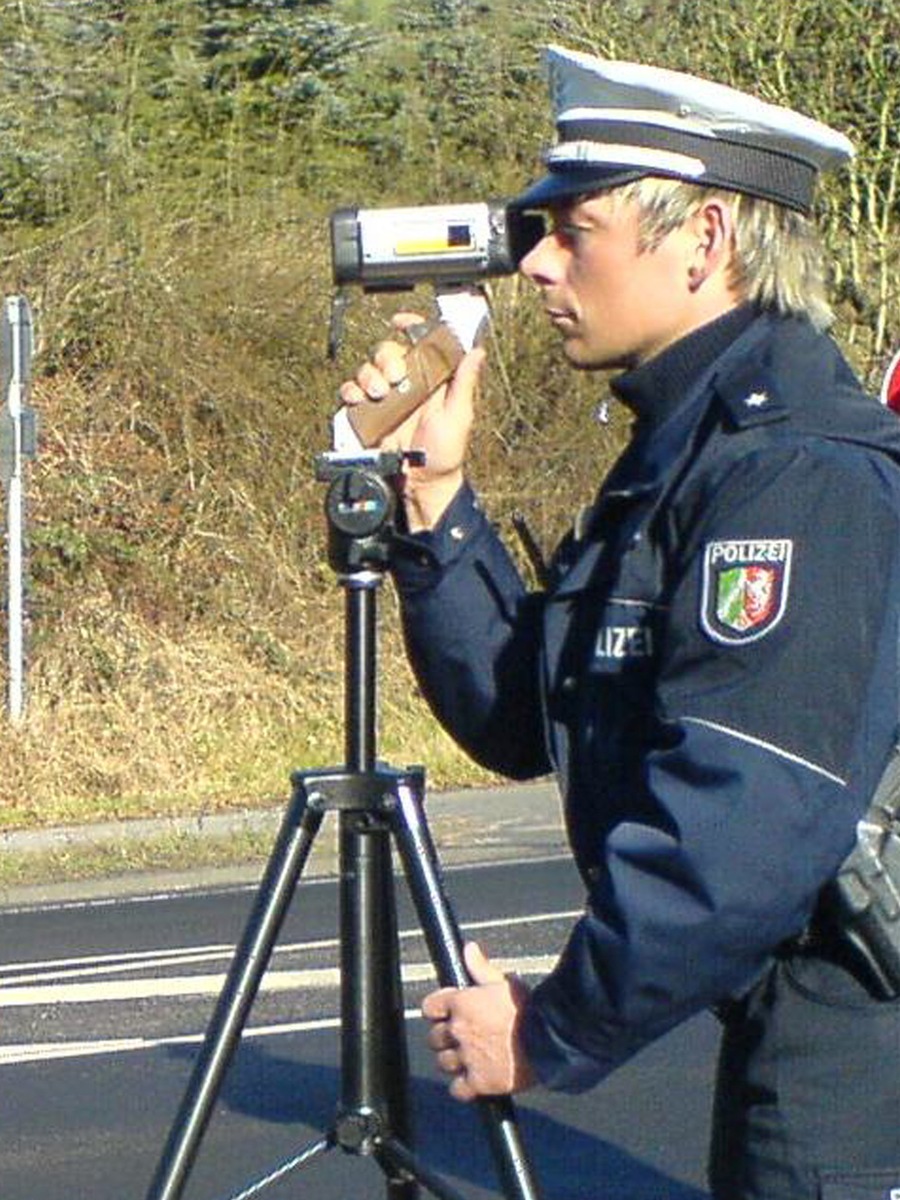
(745, 588)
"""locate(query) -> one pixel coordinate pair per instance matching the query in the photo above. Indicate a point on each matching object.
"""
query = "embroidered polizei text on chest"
(746, 585)
(625, 633)
(618, 642)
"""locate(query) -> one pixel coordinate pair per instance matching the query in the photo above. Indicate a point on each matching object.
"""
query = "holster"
(861, 906)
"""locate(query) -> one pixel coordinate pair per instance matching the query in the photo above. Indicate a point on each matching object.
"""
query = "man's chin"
(581, 359)
(576, 354)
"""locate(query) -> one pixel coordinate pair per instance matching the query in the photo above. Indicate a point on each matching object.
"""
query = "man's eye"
(571, 233)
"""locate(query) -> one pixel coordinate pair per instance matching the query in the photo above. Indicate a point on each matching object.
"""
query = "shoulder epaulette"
(751, 397)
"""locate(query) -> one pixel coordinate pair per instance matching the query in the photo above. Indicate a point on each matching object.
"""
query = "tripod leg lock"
(359, 1131)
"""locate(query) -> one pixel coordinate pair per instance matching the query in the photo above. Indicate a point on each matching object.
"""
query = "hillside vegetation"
(167, 171)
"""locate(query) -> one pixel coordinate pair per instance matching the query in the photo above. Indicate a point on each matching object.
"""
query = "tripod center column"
(360, 667)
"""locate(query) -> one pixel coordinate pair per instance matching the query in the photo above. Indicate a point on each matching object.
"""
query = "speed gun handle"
(435, 355)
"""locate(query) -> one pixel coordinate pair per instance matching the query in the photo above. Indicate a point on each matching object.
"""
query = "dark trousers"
(808, 1095)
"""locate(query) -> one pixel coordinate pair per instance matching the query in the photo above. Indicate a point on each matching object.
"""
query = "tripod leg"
(395, 1151)
(375, 1071)
(298, 830)
(442, 934)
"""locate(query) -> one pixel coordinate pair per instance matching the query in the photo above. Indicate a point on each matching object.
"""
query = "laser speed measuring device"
(456, 245)
(452, 247)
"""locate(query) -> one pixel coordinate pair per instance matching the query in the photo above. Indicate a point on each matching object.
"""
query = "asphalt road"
(104, 1002)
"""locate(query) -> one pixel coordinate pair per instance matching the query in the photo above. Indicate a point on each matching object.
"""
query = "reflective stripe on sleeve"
(762, 745)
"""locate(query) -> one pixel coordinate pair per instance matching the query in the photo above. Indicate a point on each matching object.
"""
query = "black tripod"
(373, 803)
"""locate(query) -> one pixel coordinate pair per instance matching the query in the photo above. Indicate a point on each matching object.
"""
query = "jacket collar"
(656, 389)
(669, 395)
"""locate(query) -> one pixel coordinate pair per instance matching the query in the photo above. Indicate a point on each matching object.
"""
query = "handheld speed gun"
(453, 247)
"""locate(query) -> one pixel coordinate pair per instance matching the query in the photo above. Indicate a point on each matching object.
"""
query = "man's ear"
(712, 227)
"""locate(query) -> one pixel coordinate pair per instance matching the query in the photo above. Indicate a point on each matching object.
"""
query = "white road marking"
(210, 985)
(15, 975)
(28, 1052)
(98, 978)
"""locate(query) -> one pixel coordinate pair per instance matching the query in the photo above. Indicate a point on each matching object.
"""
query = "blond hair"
(777, 259)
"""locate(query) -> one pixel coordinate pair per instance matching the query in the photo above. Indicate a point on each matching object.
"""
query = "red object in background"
(890, 389)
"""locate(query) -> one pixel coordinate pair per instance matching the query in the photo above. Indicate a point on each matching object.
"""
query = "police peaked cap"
(619, 121)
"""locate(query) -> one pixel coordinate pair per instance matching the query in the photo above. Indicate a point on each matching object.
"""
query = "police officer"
(712, 669)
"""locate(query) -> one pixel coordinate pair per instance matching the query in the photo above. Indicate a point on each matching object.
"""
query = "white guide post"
(17, 443)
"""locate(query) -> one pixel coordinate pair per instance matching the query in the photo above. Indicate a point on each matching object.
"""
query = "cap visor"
(572, 182)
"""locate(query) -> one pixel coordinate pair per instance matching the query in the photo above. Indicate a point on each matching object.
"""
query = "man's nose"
(540, 264)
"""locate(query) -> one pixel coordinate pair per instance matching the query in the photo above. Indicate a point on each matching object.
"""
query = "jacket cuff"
(557, 1063)
(419, 559)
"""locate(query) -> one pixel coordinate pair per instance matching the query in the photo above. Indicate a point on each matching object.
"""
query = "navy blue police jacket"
(711, 671)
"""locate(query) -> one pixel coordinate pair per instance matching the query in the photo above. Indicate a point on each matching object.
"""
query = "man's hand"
(474, 1031)
(440, 427)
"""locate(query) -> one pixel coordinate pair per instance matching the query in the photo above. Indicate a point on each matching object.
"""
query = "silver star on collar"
(757, 399)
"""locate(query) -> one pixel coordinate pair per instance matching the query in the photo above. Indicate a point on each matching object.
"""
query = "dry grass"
(187, 633)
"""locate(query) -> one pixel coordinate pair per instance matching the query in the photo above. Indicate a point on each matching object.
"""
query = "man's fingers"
(480, 966)
(389, 360)
(461, 1089)
(376, 378)
(351, 393)
(470, 367)
(436, 1005)
(449, 1061)
(374, 383)
(440, 1037)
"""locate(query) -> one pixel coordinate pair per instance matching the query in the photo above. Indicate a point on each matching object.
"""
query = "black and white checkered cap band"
(727, 162)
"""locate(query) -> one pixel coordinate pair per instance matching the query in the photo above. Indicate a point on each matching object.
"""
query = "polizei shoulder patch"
(745, 588)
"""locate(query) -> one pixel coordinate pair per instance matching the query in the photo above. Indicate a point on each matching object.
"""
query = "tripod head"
(360, 505)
